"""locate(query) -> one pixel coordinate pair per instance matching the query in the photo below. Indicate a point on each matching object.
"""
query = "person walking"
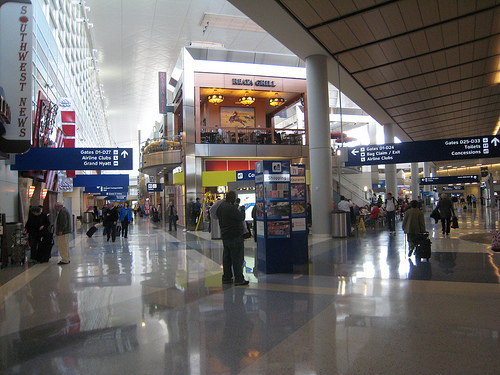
(125, 218)
(230, 221)
(38, 223)
(390, 208)
(63, 229)
(345, 205)
(413, 224)
(110, 220)
(172, 216)
(196, 211)
(446, 211)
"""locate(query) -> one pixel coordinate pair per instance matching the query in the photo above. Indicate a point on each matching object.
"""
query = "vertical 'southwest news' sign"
(16, 23)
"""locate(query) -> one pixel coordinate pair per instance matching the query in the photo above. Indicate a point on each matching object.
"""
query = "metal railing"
(162, 144)
(354, 189)
(253, 136)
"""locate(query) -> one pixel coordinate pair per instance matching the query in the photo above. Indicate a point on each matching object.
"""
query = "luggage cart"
(19, 246)
(420, 244)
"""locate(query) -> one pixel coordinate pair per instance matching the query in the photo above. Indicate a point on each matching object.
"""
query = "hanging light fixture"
(246, 100)
(276, 102)
(215, 98)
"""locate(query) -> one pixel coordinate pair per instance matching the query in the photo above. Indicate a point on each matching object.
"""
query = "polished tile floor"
(154, 304)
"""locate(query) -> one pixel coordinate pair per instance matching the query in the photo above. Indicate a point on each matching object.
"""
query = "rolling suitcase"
(45, 245)
(422, 246)
(91, 231)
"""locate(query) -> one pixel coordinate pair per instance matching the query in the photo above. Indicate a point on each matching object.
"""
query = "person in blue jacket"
(125, 218)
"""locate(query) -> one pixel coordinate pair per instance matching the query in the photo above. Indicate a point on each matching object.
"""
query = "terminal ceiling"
(432, 67)
(136, 40)
(428, 66)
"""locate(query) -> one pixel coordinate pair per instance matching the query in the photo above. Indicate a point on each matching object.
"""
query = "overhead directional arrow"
(495, 141)
(124, 154)
(354, 152)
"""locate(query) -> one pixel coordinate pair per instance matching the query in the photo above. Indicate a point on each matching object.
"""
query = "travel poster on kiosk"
(298, 197)
(299, 244)
(273, 216)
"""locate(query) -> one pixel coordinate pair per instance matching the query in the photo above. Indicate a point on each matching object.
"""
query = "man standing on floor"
(63, 229)
(172, 216)
(196, 210)
(345, 205)
(446, 211)
(230, 221)
(391, 207)
(110, 219)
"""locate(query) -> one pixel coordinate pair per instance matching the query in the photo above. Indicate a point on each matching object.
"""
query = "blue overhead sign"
(101, 180)
(105, 190)
(448, 180)
(245, 175)
(153, 186)
(116, 197)
(54, 159)
(420, 151)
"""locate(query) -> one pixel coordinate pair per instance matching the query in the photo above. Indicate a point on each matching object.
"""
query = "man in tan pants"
(63, 230)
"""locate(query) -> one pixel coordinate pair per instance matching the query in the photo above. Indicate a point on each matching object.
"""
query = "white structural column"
(390, 169)
(372, 133)
(415, 189)
(427, 173)
(319, 144)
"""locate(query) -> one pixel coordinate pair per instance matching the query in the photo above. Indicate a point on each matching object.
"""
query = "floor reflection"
(154, 304)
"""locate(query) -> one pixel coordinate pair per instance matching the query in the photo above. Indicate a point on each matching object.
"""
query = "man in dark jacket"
(230, 222)
(446, 211)
(110, 218)
(196, 210)
(38, 223)
(63, 230)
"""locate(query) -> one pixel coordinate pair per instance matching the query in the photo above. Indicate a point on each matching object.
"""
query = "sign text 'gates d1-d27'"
(420, 151)
(53, 159)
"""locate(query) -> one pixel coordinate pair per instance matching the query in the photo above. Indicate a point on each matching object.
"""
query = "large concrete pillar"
(391, 184)
(372, 133)
(415, 188)
(427, 173)
(319, 144)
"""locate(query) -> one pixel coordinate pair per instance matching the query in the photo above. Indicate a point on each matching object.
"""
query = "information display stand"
(274, 216)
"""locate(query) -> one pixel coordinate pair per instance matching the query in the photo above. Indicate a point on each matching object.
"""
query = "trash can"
(339, 224)
(88, 217)
(214, 229)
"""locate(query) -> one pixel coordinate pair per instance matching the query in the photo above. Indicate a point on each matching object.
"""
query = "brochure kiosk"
(276, 251)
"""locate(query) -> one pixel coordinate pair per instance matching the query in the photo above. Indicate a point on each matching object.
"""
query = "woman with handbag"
(172, 216)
